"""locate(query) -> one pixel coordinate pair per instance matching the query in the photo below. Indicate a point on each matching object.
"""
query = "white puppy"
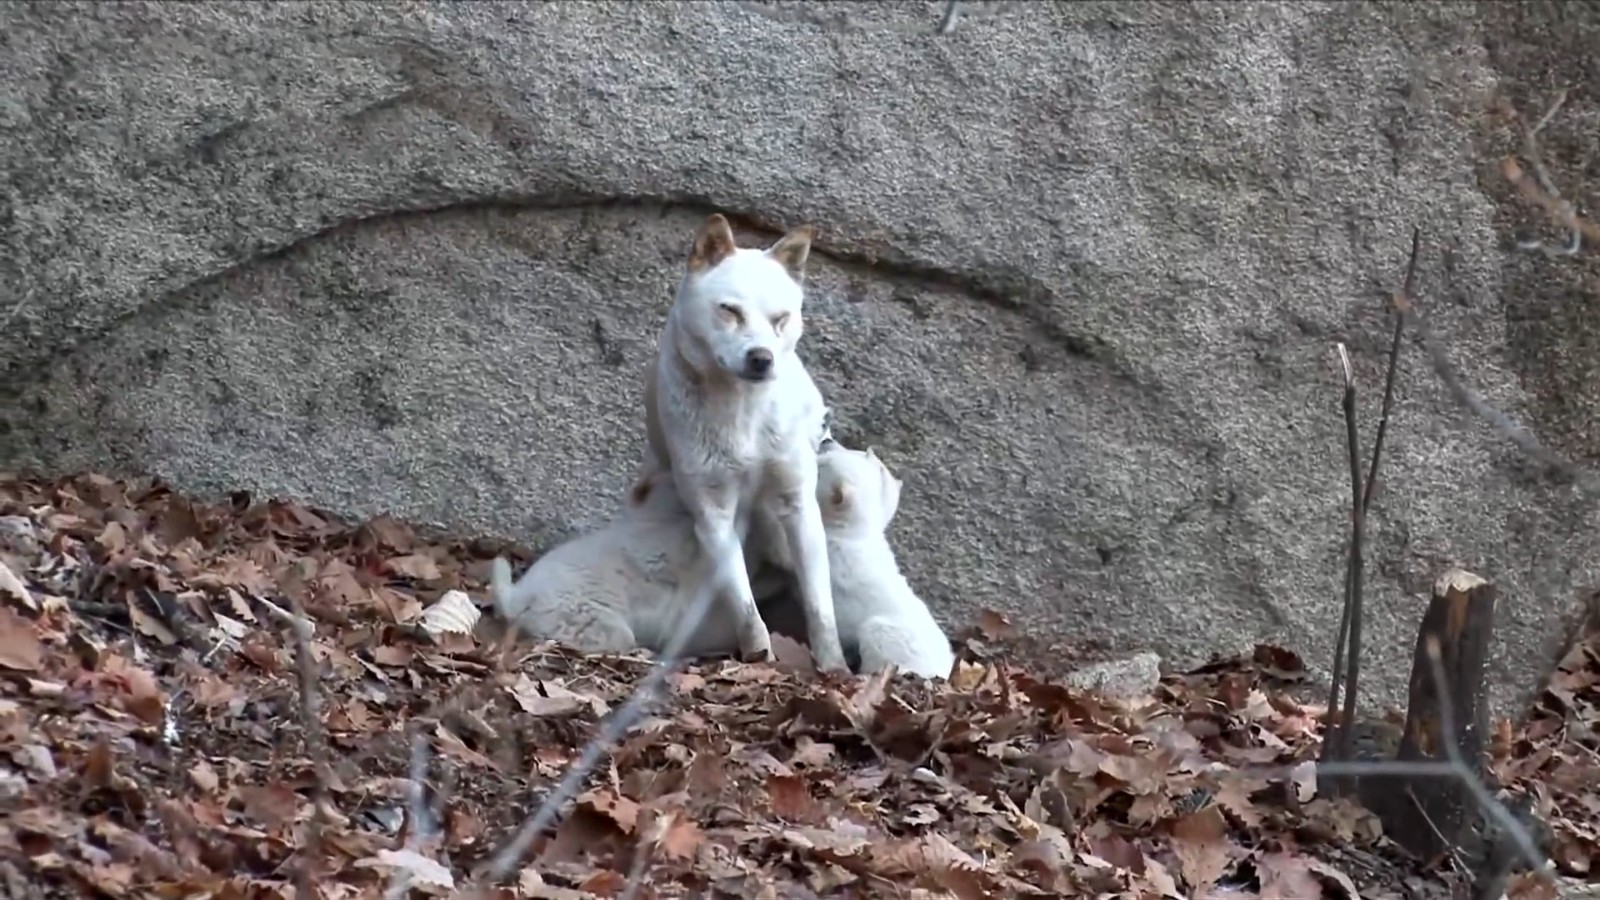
(881, 619)
(732, 413)
(625, 585)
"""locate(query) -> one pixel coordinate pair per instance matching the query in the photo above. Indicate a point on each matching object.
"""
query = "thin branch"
(1407, 290)
(612, 729)
(947, 22)
(316, 747)
(418, 831)
(1541, 188)
(1473, 401)
(1468, 774)
(1352, 600)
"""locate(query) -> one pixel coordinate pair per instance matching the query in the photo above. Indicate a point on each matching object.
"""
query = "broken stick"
(1446, 721)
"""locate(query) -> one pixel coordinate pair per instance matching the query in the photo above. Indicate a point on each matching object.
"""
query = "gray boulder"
(1080, 273)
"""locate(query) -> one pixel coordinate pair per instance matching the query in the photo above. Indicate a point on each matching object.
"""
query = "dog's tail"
(500, 583)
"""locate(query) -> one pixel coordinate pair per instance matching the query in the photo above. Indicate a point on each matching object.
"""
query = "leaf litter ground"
(152, 723)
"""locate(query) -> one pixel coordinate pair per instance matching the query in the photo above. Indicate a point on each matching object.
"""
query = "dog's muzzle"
(758, 365)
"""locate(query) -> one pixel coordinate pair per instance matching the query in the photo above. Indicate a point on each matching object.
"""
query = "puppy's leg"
(715, 506)
(884, 641)
(801, 520)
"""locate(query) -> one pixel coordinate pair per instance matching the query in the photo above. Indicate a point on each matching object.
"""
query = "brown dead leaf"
(675, 834)
(789, 798)
(1200, 841)
(274, 805)
(619, 809)
(1287, 877)
(604, 883)
(138, 691)
(149, 625)
(1532, 886)
(204, 777)
(114, 538)
(790, 655)
(13, 590)
(994, 625)
(20, 647)
(417, 567)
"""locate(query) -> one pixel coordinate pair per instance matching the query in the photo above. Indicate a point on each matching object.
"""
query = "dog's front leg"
(715, 510)
(801, 518)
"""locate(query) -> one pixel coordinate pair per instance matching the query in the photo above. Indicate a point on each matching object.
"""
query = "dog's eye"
(731, 311)
(779, 322)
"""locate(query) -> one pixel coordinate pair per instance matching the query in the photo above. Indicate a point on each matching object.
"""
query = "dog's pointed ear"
(641, 490)
(792, 250)
(713, 243)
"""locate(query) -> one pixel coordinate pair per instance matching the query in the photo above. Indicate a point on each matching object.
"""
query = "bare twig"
(1351, 587)
(1541, 188)
(947, 22)
(418, 830)
(1492, 809)
(316, 748)
(641, 859)
(1474, 401)
(1353, 576)
(609, 732)
(1407, 289)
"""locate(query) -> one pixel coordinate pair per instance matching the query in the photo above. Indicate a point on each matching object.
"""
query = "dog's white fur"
(630, 583)
(732, 413)
(625, 585)
(881, 618)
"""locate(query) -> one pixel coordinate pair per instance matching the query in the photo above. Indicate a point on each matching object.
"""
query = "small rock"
(1133, 676)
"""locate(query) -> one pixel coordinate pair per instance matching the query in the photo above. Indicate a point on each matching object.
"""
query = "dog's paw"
(833, 661)
(756, 647)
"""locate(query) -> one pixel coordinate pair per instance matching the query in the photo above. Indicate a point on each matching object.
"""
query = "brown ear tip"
(641, 491)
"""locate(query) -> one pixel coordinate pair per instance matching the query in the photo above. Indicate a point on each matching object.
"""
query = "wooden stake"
(1447, 703)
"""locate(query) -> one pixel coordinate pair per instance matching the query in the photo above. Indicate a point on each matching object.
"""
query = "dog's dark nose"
(758, 362)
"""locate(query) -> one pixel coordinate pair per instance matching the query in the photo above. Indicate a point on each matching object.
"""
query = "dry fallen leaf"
(13, 590)
(750, 780)
(20, 648)
(453, 613)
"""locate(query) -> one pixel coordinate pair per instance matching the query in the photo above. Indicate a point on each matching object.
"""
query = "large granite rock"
(1080, 272)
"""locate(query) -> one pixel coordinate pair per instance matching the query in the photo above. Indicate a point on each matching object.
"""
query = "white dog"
(881, 618)
(630, 583)
(623, 586)
(733, 414)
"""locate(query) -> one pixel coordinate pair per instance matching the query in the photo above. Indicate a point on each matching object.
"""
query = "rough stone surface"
(1133, 676)
(1080, 273)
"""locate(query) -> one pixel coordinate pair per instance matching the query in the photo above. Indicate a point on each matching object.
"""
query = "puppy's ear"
(841, 495)
(793, 249)
(891, 497)
(641, 490)
(713, 243)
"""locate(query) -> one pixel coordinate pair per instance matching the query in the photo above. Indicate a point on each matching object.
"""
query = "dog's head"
(742, 305)
(855, 489)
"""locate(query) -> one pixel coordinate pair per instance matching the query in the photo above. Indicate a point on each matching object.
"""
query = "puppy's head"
(856, 490)
(742, 305)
